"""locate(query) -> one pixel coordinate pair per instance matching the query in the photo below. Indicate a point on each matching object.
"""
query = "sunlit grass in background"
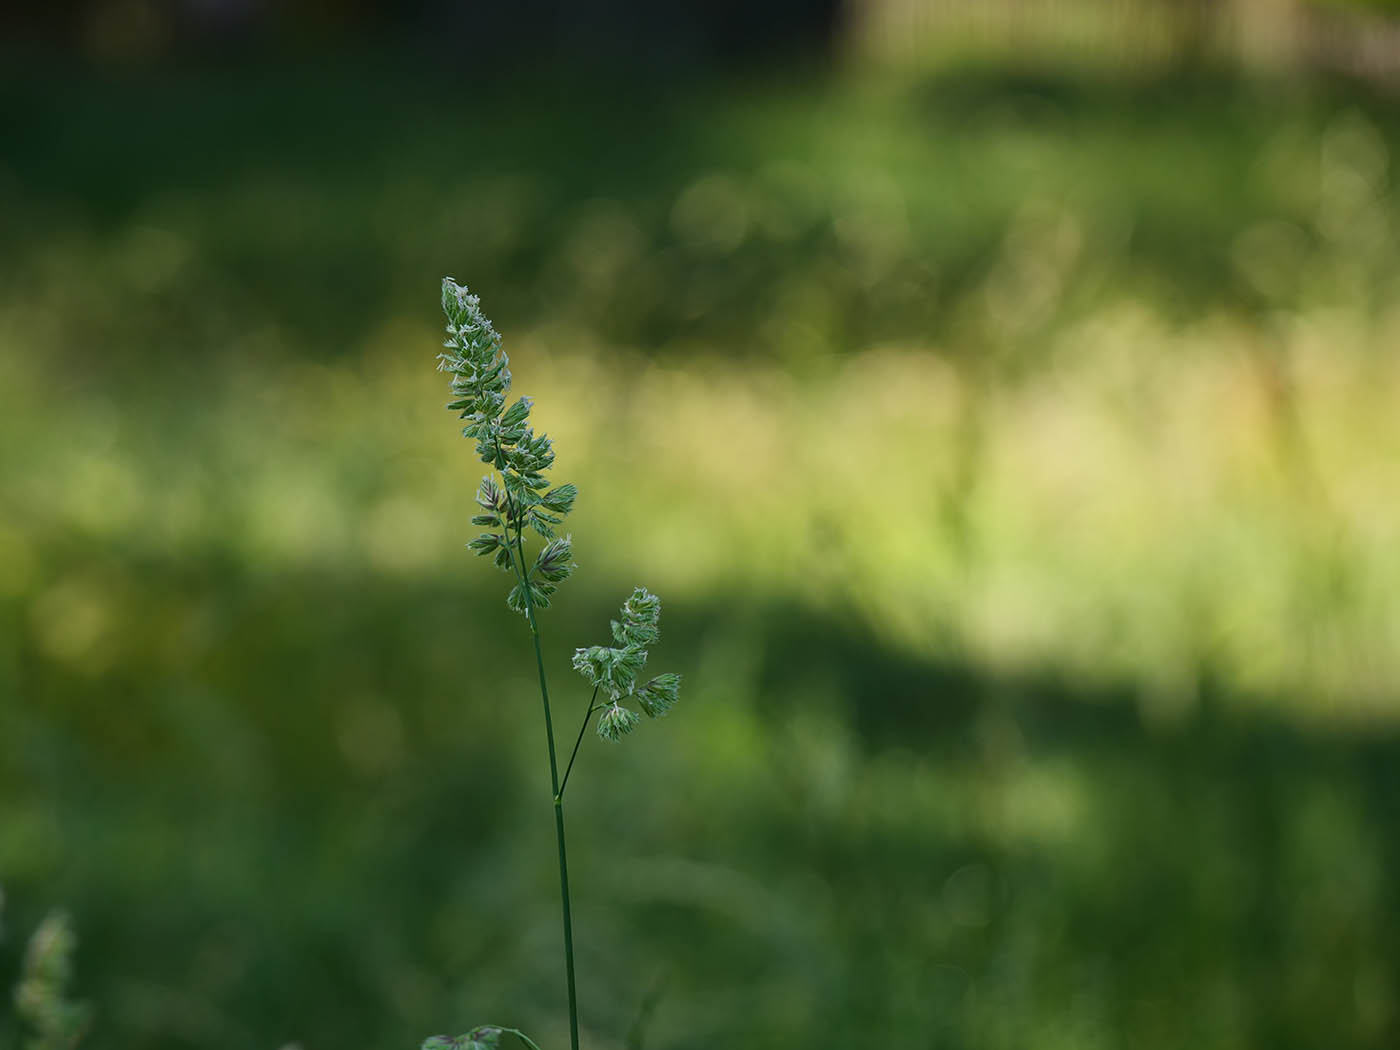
(1017, 456)
(1147, 508)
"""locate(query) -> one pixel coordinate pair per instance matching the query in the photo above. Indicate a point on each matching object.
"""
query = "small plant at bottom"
(41, 996)
(515, 497)
(486, 1037)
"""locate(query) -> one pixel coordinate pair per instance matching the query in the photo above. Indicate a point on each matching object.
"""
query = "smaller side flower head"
(505, 441)
(617, 721)
(615, 669)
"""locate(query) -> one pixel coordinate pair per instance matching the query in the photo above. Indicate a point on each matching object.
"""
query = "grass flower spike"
(513, 498)
(480, 373)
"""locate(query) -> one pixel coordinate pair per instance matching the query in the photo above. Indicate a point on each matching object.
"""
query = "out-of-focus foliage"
(52, 1020)
(484, 1037)
(1016, 455)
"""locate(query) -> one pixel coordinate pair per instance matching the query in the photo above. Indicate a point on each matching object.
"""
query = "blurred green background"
(1005, 410)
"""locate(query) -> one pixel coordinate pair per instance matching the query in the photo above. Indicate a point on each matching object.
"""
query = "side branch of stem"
(559, 795)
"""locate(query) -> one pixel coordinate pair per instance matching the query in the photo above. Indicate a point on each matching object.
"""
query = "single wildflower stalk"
(522, 499)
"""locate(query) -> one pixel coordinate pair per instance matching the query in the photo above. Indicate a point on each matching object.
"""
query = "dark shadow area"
(337, 792)
(655, 214)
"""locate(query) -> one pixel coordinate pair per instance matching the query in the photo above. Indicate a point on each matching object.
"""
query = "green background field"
(1015, 452)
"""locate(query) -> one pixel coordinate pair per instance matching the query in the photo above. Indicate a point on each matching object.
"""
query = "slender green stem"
(554, 784)
(581, 729)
